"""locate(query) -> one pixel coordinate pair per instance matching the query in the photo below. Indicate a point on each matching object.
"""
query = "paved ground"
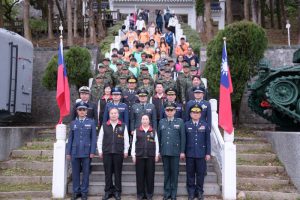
(132, 198)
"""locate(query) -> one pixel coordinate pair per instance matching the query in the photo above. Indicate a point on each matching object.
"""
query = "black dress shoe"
(117, 196)
(165, 198)
(200, 196)
(106, 196)
(75, 196)
(190, 198)
(173, 198)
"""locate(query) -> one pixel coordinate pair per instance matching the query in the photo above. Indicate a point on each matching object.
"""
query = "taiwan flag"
(225, 112)
(62, 90)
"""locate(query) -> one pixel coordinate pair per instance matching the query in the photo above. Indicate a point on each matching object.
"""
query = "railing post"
(59, 178)
(229, 167)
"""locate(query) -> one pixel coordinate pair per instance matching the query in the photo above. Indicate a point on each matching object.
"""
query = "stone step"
(24, 164)
(130, 176)
(255, 157)
(97, 188)
(25, 194)
(272, 195)
(259, 169)
(158, 167)
(250, 140)
(255, 148)
(25, 179)
(31, 153)
(262, 182)
(39, 143)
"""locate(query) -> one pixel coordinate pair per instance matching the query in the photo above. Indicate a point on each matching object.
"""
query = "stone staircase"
(211, 187)
(28, 174)
(260, 174)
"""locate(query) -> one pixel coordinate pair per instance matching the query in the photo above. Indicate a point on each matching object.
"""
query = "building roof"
(155, 1)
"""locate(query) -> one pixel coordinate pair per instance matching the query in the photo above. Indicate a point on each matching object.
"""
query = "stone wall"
(44, 106)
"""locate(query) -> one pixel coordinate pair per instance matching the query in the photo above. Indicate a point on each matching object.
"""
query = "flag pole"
(228, 160)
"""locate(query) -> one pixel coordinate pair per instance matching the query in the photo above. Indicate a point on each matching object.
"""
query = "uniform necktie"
(81, 121)
(195, 124)
(143, 106)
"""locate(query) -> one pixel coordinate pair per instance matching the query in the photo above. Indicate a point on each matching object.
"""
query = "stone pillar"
(59, 178)
(221, 24)
(192, 18)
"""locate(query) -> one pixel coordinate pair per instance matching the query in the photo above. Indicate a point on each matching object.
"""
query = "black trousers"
(77, 165)
(145, 169)
(113, 165)
(195, 170)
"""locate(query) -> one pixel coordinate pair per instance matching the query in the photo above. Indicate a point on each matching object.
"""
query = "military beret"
(193, 68)
(114, 56)
(126, 63)
(81, 104)
(198, 89)
(123, 76)
(186, 65)
(131, 79)
(116, 90)
(100, 76)
(171, 91)
(170, 60)
(170, 105)
(167, 71)
(143, 67)
(142, 92)
(119, 62)
(146, 77)
(162, 68)
(195, 108)
(84, 89)
(106, 59)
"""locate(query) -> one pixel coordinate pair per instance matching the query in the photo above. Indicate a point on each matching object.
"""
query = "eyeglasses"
(169, 110)
(81, 109)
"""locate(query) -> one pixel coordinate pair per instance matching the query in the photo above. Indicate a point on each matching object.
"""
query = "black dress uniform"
(197, 147)
(171, 137)
(113, 142)
(145, 148)
(179, 108)
(130, 96)
(81, 143)
(138, 110)
(159, 105)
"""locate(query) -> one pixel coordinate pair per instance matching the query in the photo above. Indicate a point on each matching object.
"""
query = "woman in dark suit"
(145, 152)
(106, 98)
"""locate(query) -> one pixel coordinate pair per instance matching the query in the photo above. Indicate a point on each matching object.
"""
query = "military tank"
(275, 93)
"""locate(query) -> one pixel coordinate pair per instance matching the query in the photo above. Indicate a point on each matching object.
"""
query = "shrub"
(192, 37)
(246, 43)
(77, 61)
(110, 38)
(38, 25)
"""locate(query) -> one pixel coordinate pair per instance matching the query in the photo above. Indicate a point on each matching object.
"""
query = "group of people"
(147, 106)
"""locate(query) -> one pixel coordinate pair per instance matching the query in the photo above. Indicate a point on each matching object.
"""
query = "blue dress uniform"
(122, 107)
(197, 147)
(172, 138)
(205, 107)
(138, 110)
(81, 143)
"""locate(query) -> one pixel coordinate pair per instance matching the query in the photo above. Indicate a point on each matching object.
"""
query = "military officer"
(171, 137)
(107, 75)
(122, 82)
(144, 71)
(147, 86)
(182, 78)
(168, 81)
(84, 92)
(97, 88)
(198, 151)
(171, 97)
(130, 94)
(205, 106)
(141, 108)
(159, 99)
(116, 103)
(196, 81)
(113, 144)
(81, 148)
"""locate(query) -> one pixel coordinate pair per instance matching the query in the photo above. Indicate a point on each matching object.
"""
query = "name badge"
(121, 109)
(204, 106)
(176, 126)
(87, 125)
(201, 128)
(148, 110)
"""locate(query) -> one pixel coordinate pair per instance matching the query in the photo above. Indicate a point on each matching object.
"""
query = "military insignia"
(201, 128)
(75, 126)
(190, 128)
(162, 127)
(151, 134)
(87, 125)
(176, 126)
(203, 106)
(120, 128)
(148, 110)
(178, 108)
(121, 108)
(120, 136)
(125, 97)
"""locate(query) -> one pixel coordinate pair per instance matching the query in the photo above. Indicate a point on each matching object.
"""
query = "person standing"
(141, 108)
(145, 152)
(171, 137)
(113, 145)
(159, 20)
(159, 99)
(167, 17)
(106, 98)
(171, 94)
(81, 148)
(197, 153)
(84, 93)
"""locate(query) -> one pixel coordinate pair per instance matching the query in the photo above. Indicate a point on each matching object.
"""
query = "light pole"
(288, 26)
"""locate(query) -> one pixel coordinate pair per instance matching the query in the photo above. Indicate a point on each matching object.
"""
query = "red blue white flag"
(225, 112)
(62, 88)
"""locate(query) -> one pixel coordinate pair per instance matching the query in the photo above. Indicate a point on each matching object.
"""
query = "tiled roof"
(156, 1)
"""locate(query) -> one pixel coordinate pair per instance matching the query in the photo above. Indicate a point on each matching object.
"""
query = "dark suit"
(92, 112)
(205, 113)
(138, 110)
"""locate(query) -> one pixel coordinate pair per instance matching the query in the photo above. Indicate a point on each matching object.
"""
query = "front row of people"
(173, 140)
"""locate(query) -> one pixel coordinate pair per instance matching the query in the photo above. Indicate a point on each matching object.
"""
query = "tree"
(77, 62)
(278, 13)
(209, 34)
(272, 13)
(1, 14)
(8, 8)
(75, 28)
(93, 39)
(200, 13)
(27, 32)
(100, 27)
(246, 43)
(61, 15)
(69, 21)
(41, 5)
(283, 14)
(229, 16)
(50, 17)
(298, 23)
(254, 11)
(246, 10)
